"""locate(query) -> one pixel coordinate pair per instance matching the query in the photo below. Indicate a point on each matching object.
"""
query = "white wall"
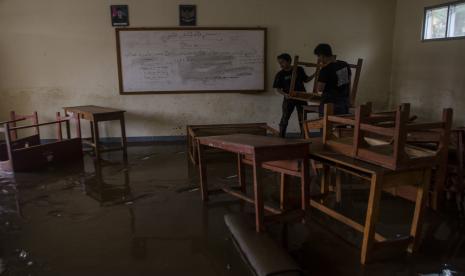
(430, 75)
(57, 53)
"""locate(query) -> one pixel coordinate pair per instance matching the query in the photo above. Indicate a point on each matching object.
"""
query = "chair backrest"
(357, 67)
(14, 117)
(310, 125)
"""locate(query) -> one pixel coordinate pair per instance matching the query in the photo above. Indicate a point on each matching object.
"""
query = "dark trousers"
(287, 109)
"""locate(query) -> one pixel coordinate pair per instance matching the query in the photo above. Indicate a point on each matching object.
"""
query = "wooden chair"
(326, 184)
(392, 140)
(14, 118)
(28, 153)
(313, 97)
(66, 119)
(12, 122)
(386, 145)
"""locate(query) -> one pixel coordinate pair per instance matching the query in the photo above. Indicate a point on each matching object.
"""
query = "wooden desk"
(195, 131)
(262, 149)
(96, 114)
(380, 178)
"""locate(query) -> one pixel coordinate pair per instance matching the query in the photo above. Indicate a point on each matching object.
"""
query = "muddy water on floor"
(145, 217)
(140, 218)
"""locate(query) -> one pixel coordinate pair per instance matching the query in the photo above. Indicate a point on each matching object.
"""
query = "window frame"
(448, 5)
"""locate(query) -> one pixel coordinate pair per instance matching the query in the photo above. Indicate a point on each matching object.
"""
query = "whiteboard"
(191, 60)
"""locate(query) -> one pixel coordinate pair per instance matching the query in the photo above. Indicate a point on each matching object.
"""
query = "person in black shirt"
(282, 84)
(334, 80)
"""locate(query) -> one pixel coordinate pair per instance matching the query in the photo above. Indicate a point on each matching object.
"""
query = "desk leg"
(258, 194)
(189, 147)
(338, 188)
(305, 183)
(420, 204)
(124, 144)
(283, 194)
(92, 136)
(371, 217)
(202, 171)
(325, 180)
(195, 154)
(96, 139)
(78, 127)
(241, 173)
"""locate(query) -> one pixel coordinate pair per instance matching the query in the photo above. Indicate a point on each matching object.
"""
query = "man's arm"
(320, 87)
(280, 91)
(304, 76)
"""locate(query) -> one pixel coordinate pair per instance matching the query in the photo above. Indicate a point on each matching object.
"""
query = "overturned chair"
(29, 153)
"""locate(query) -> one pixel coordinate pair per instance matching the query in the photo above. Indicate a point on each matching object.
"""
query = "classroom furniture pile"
(383, 149)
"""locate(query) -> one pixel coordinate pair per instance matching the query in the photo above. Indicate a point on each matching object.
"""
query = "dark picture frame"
(119, 15)
(187, 15)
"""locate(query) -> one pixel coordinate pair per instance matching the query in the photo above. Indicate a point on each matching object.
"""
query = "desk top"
(248, 143)
(348, 162)
(92, 109)
(227, 125)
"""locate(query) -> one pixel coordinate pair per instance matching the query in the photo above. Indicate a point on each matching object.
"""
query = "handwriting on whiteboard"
(182, 60)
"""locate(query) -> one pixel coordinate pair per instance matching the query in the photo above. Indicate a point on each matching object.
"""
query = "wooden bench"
(261, 252)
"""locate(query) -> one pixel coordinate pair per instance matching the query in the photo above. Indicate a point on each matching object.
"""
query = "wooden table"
(195, 131)
(95, 114)
(380, 178)
(262, 149)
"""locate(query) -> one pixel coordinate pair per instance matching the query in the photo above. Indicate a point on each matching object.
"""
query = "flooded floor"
(146, 218)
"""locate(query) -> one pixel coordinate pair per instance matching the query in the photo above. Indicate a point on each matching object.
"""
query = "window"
(444, 22)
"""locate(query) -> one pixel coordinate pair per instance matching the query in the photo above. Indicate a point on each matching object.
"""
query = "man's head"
(324, 53)
(285, 61)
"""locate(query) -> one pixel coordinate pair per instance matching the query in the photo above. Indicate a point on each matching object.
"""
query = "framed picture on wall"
(187, 15)
(119, 15)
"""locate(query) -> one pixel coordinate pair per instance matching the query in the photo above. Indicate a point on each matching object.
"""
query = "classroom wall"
(430, 75)
(57, 53)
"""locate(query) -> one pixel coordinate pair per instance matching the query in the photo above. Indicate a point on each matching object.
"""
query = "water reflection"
(110, 189)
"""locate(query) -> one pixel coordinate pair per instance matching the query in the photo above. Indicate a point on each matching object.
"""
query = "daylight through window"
(446, 21)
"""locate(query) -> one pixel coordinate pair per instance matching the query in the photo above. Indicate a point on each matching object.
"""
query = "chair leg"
(241, 173)
(283, 192)
(325, 181)
(338, 188)
(371, 218)
(314, 169)
(420, 204)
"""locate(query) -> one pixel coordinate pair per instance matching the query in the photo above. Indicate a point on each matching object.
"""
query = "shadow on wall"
(428, 105)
